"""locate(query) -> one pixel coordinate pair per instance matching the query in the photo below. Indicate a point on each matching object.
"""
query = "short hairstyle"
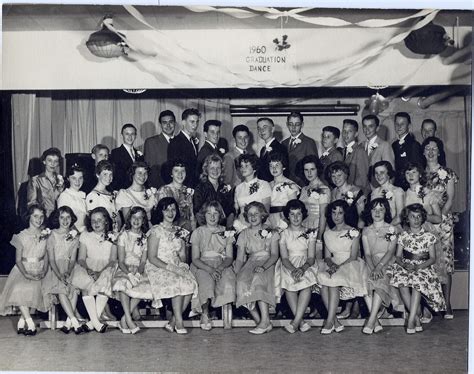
(372, 117)
(134, 210)
(295, 204)
(190, 112)
(414, 166)
(439, 144)
(332, 206)
(103, 165)
(388, 166)
(133, 168)
(429, 120)
(239, 128)
(295, 114)
(252, 159)
(415, 208)
(157, 214)
(380, 201)
(54, 218)
(276, 156)
(166, 113)
(53, 151)
(351, 122)
(126, 126)
(99, 147)
(31, 210)
(201, 215)
(259, 206)
(333, 130)
(211, 122)
(403, 115)
(265, 119)
(213, 157)
(167, 169)
(309, 159)
(105, 214)
(334, 167)
(73, 169)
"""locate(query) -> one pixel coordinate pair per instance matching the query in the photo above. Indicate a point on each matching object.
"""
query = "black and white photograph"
(235, 188)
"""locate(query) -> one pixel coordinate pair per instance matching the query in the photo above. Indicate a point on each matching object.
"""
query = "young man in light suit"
(156, 147)
(213, 144)
(298, 144)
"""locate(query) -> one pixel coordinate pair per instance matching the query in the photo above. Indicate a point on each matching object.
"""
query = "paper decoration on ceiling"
(429, 40)
(106, 43)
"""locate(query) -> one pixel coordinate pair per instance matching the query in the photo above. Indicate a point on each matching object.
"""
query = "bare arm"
(153, 244)
(450, 192)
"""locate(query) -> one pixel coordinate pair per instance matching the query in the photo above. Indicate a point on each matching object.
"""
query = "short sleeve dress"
(281, 193)
(106, 200)
(64, 248)
(251, 286)
(98, 252)
(351, 277)
(18, 290)
(379, 241)
(391, 193)
(165, 283)
(425, 281)
(313, 197)
(127, 198)
(296, 243)
(184, 198)
(212, 245)
(245, 193)
(76, 200)
(135, 245)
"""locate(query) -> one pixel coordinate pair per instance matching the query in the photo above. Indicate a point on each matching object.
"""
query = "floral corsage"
(44, 234)
(351, 234)
(391, 235)
(149, 193)
(71, 235)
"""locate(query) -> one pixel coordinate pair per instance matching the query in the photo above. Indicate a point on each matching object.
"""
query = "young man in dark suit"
(98, 153)
(184, 145)
(298, 144)
(213, 143)
(124, 156)
(265, 128)
(329, 138)
(406, 149)
(156, 147)
(232, 176)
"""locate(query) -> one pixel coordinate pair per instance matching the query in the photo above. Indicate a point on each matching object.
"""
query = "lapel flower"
(284, 186)
(349, 150)
(387, 194)
(404, 154)
(221, 150)
(325, 154)
(44, 234)
(265, 234)
(309, 233)
(268, 149)
(141, 240)
(181, 233)
(71, 235)
(373, 146)
(225, 188)
(139, 153)
(442, 174)
(111, 237)
(253, 188)
(391, 235)
(348, 197)
(351, 234)
(188, 192)
(195, 140)
(149, 192)
(59, 182)
(296, 141)
(420, 192)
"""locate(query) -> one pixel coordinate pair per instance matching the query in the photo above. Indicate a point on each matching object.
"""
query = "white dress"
(76, 200)
(127, 198)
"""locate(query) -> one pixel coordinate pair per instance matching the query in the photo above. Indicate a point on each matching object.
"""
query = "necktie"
(193, 142)
(132, 154)
(345, 153)
(292, 143)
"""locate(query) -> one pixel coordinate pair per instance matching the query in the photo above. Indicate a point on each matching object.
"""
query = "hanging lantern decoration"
(106, 43)
(376, 104)
(431, 39)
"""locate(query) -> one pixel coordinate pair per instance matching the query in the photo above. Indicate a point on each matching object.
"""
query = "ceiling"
(45, 17)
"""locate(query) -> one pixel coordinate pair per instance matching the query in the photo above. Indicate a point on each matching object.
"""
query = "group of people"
(367, 222)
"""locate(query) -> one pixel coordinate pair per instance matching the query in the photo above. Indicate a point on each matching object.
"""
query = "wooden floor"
(441, 348)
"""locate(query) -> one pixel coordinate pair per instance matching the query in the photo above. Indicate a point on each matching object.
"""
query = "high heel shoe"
(339, 328)
(367, 330)
(327, 331)
(135, 330)
(182, 331)
(169, 328)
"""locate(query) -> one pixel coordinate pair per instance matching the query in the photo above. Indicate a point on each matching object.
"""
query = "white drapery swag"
(74, 124)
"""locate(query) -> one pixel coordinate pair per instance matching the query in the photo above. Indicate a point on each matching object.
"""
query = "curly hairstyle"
(252, 159)
(295, 204)
(133, 168)
(157, 214)
(30, 211)
(413, 166)
(415, 208)
(332, 206)
(201, 215)
(309, 159)
(259, 206)
(167, 169)
(54, 218)
(439, 144)
(388, 166)
(105, 214)
(104, 165)
(334, 168)
(214, 157)
(380, 201)
(134, 210)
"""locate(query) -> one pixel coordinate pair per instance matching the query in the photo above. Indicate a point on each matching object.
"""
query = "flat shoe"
(411, 331)
(85, 328)
(449, 316)
(378, 328)
(135, 330)
(367, 331)
(30, 332)
(305, 326)
(339, 328)
(124, 331)
(426, 319)
(102, 329)
(169, 328)
(79, 330)
(419, 328)
(343, 315)
(290, 328)
(182, 331)
(20, 330)
(327, 331)
(260, 331)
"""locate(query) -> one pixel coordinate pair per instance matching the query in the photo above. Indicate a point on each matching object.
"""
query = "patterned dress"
(127, 198)
(297, 246)
(138, 287)
(63, 247)
(212, 245)
(245, 193)
(106, 200)
(438, 182)
(313, 197)
(251, 286)
(165, 283)
(98, 252)
(281, 194)
(76, 200)
(425, 281)
(18, 290)
(351, 277)
(379, 241)
(184, 198)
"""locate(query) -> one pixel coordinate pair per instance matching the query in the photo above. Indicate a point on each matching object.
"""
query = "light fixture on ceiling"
(106, 43)
(429, 40)
(284, 110)
(377, 103)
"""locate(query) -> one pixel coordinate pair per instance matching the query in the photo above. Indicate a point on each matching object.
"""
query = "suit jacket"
(409, 151)
(231, 171)
(207, 150)
(383, 151)
(182, 148)
(333, 156)
(358, 163)
(263, 171)
(306, 147)
(122, 162)
(156, 154)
